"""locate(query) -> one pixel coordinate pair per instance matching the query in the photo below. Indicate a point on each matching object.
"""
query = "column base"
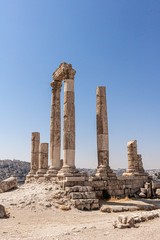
(68, 171)
(105, 172)
(30, 176)
(30, 179)
(52, 172)
(31, 173)
(70, 176)
(41, 172)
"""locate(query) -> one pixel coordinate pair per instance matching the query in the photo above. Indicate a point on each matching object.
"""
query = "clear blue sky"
(112, 43)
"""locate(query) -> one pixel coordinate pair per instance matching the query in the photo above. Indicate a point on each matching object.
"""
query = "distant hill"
(20, 169)
(14, 168)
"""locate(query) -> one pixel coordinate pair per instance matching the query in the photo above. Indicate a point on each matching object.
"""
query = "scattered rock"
(130, 221)
(65, 207)
(3, 213)
(158, 192)
(48, 205)
(142, 195)
(106, 209)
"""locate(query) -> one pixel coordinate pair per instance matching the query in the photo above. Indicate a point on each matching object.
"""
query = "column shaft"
(43, 159)
(55, 128)
(102, 127)
(69, 125)
(132, 156)
(35, 141)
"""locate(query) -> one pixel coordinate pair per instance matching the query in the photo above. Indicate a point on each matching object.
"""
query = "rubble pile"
(130, 221)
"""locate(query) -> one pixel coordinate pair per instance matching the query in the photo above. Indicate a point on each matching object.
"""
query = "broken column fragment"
(8, 184)
(35, 141)
(43, 159)
(132, 157)
(135, 164)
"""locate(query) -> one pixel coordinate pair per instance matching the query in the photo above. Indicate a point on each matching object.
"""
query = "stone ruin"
(84, 190)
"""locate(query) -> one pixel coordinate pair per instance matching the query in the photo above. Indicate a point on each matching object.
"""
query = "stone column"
(102, 127)
(103, 168)
(35, 140)
(135, 164)
(69, 125)
(66, 73)
(55, 129)
(132, 157)
(43, 159)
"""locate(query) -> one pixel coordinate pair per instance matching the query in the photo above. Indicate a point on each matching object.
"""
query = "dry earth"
(34, 214)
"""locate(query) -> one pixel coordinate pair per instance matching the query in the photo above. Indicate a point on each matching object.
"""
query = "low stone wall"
(83, 197)
(120, 187)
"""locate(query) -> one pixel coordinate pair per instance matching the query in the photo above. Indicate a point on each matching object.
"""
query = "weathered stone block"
(158, 191)
(119, 192)
(99, 194)
(8, 184)
(94, 206)
(98, 184)
(76, 195)
(106, 209)
(90, 195)
(75, 179)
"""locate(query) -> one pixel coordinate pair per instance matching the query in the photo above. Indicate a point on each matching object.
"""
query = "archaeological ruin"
(84, 190)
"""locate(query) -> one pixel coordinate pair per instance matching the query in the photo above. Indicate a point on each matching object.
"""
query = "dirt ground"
(31, 217)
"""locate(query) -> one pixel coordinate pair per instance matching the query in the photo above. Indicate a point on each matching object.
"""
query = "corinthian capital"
(64, 71)
(56, 85)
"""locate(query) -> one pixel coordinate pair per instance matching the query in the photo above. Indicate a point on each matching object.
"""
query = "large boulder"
(8, 184)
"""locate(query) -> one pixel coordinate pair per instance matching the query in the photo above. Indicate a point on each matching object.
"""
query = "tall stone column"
(55, 129)
(35, 141)
(68, 175)
(69, 125)
(102, 127)
(43, 159)
(103, 168)
(66, 73)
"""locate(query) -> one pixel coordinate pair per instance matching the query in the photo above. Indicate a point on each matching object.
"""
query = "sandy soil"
(34, 215)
